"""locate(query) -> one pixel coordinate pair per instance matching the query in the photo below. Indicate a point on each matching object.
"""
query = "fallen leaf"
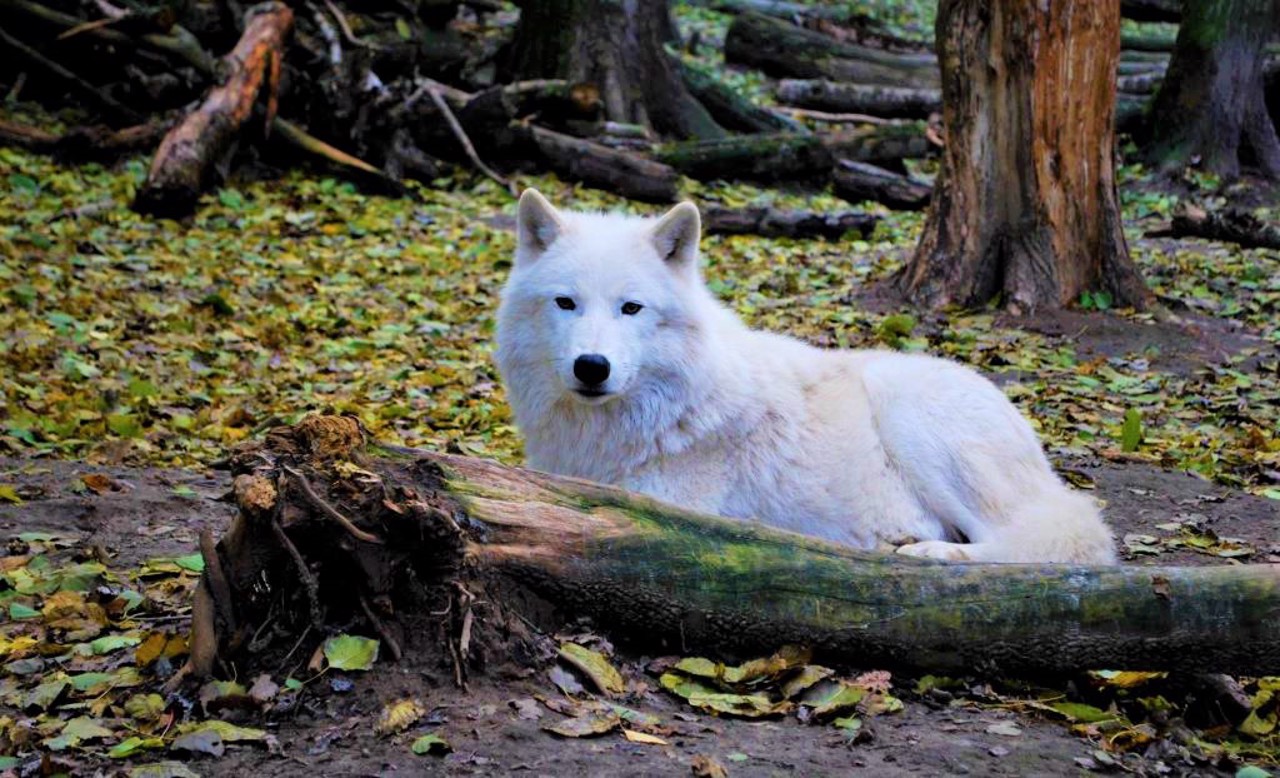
(350, 652)
(641, 737)
(584, 726)
(399, 715)
(594, 666)
(431, 744)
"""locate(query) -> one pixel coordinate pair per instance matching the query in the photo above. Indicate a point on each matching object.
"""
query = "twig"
(86, 27)
(107, 102)
(461, 135)
(381, 629)
(308, 580)
(346, 28)
(832, 118)
(324, 507)
(218, 585)
(296, 644)
(309, 143)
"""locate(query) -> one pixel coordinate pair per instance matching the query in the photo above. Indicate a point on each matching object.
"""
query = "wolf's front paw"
(936, 549)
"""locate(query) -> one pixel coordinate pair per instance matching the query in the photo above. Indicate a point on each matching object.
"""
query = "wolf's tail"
(1059, 525)
(1063, 525)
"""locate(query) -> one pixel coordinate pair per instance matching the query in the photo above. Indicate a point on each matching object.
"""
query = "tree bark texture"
(619, 48)
(185, 156)
(1025, 206)
(1211, 106)
(328, 522)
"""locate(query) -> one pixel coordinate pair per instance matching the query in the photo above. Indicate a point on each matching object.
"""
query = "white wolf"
(622, 368)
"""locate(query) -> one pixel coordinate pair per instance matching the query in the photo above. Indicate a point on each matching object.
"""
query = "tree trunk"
(1212, 105)
(1025, 205)
(617, 48)
(325, 529)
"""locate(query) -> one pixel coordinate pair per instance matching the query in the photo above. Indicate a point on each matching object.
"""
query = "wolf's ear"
(676, 236)
(537, 226)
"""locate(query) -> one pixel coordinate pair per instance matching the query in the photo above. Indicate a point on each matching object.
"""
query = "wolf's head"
(599, 306)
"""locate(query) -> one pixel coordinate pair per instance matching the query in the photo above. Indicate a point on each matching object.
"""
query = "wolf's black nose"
(591, 369)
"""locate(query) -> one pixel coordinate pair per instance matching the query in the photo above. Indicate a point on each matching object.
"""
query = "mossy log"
(596, 165)
(774, 157)
(189, 151)
(841, 97)
(775, 223)
(333, 530)
(782, 49)
(860, 181)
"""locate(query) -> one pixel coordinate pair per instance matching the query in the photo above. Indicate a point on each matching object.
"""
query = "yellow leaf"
(640, 737)
(398, 716)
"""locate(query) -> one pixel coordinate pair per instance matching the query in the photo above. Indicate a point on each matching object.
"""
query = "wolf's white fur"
(860, 447)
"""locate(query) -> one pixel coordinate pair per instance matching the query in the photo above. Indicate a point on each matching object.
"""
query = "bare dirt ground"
(330, 730)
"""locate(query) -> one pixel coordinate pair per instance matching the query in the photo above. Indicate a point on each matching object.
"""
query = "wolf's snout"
(591, 369)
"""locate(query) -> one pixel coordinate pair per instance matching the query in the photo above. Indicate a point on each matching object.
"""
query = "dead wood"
(532, 548)
(1232, 225)
(782, 49)
(181, 165)
(774, 223)
(596, 165)
(859, 181)
(842, 97)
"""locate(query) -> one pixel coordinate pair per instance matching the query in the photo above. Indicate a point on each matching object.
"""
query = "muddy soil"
(157, 512)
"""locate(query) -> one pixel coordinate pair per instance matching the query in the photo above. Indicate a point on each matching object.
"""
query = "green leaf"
(76, 731)
(130, 746)
(403, 28)
(431, 744)
(1131, 432)
(231, 199)
(1078, 711)
(19, 611)
(350, 652)
(1252, 771)
(23, 183)
(191, 562)
(9, 494)
(185, 492)
(292, 684)
(109, 643)
(126, 425)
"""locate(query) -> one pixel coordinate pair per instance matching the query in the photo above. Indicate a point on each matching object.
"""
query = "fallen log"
(188, 152)
(776, 157)
(1141, 84)
(784, 50)
(93, 142)
(1151, 10)
(773, 223)
(858, 182)
(1232, 225)
(842, 97)
(628, 174)
(881, 145)
(329, 523)
(731, 110)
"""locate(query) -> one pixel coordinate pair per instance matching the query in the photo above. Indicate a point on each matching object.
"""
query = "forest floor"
(135, 351)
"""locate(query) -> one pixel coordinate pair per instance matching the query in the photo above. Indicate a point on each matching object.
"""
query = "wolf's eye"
(565, 303)
(631, 309)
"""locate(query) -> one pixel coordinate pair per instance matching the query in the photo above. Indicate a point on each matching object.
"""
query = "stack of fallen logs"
(368, 108)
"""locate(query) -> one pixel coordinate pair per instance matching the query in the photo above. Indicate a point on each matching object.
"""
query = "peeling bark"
(185, 156)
